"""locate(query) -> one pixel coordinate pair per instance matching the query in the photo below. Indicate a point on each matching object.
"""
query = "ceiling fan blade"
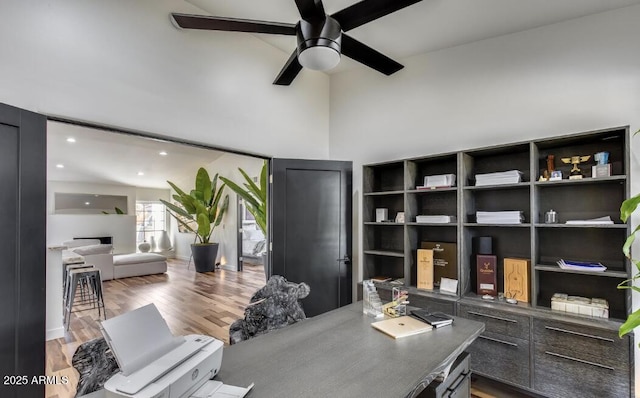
(232, 24)
(310, 9)
(289, 71)
(366, 55)
(368, 10)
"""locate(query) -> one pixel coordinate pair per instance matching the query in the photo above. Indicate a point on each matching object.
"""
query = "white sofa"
(113, 266)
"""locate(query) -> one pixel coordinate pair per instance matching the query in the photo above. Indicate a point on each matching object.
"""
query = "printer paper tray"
(216, 389)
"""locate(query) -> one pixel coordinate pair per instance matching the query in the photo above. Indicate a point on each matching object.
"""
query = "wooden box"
(425, 269)
(487, 274)
(445, 264)
(516, 279)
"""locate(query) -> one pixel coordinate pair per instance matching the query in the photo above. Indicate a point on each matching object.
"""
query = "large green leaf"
(633, 321)
(626, 248)
(204, 228)
(254, 201)
(178, 210)
(203, 185)
(628, 207)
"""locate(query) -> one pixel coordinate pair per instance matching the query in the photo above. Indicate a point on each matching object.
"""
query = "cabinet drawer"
(431, 304)
(501, 357)
(456, 384)
(561, 374)
(496, 321)
(577, 339)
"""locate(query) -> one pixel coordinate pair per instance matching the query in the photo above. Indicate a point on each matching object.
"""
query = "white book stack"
(499, 178)
(499, 217)
(436, 219)
(593, 221)
(438, 181)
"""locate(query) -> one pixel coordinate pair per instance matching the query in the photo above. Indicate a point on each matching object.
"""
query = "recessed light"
(60, 166)
(87, 203)
(162, 153)
(140, 173)
(71, 139)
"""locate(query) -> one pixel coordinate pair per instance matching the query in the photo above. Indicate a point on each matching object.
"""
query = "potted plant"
(200, 212)
(255, 199)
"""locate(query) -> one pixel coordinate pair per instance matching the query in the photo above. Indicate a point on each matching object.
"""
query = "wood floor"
(190, 302)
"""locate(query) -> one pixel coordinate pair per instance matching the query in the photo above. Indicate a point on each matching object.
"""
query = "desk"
(338, 354)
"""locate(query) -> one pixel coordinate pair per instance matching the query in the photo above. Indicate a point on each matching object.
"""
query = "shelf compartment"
(496, 159)
(383, 177)
(384, 238)
(444, 203)
(612, 141)
(506, 242)
(582, 201)
(394, 203)
(419, 168)
(490, 200)
(555, 268)
(583, 244)
(382, 265)
(590, 286)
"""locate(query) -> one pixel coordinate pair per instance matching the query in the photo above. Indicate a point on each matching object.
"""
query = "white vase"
(144, 246)
(152, 242)
(164, 243)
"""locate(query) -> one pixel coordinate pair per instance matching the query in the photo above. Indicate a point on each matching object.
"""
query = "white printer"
(155, 364)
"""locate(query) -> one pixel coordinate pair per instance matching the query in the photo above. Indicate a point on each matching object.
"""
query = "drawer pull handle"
(499, 341)
(599, 365)
(492, 317)
(579, 334)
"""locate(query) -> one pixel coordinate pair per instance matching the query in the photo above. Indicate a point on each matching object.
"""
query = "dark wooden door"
(22, 249)
(310, 229)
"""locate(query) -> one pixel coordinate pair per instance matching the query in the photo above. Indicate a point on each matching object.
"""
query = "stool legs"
(89, 282)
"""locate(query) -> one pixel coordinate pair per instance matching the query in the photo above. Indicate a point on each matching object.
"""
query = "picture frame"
(555, 175)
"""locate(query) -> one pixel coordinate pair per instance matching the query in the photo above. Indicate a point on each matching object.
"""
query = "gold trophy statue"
(575, 173)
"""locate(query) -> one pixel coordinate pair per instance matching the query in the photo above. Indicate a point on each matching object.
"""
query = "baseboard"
(56, 333)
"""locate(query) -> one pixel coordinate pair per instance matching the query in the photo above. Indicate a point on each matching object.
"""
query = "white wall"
(122, 63)
(122, 228)
(575, 76)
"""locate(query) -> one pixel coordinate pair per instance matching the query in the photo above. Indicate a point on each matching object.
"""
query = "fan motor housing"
(323, 33)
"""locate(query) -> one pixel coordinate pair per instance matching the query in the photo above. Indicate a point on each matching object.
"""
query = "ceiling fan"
(321, 38)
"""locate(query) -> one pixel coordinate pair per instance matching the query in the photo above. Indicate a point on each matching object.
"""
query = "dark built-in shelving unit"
(390, 250)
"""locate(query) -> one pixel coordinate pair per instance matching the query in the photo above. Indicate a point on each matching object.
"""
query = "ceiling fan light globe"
(319, 58)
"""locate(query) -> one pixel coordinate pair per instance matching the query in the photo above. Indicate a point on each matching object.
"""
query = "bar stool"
(90, 284)
(65, 272)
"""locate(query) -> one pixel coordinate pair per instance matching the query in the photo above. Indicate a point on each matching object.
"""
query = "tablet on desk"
(401, 327)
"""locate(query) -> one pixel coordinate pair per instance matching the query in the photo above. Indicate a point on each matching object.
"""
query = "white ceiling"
(430, 25)
(423, 27)
(103, 157)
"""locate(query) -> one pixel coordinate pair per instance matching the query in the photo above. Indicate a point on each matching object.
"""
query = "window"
(151, 220)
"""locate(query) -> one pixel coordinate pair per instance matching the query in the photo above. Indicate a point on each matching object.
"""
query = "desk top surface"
(338, 354)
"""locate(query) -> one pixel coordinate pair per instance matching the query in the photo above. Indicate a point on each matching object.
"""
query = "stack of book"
(436, 219)
(581, 266)
(499, 217)
(592, 221)
(438, 181)
(436, 320)
(499, 178)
